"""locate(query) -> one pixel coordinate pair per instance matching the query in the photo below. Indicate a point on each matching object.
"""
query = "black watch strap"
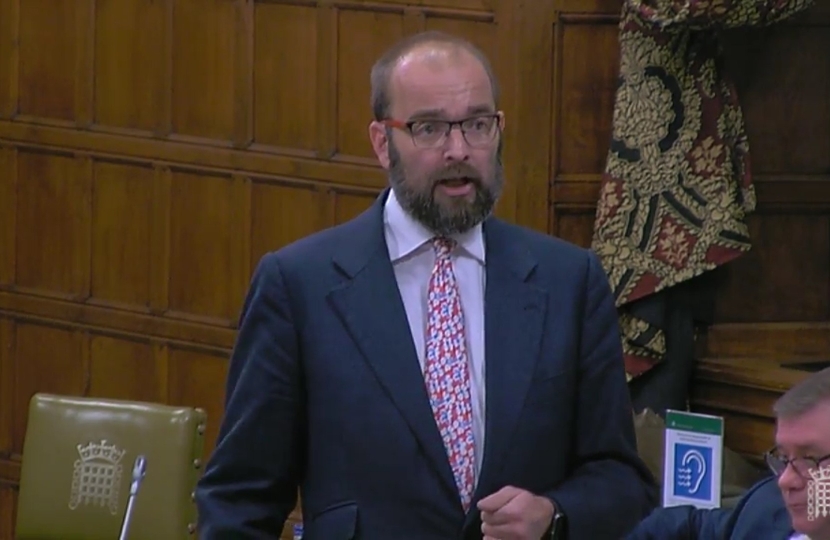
(558, 529)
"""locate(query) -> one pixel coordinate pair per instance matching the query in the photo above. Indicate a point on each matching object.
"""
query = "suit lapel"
(514, 318)
(370, 307)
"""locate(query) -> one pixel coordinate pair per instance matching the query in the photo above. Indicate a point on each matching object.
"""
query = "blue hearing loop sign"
(693, 471)
(693, 460)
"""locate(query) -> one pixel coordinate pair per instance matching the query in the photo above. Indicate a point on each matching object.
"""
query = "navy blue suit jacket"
(759, 515)
(325, 392)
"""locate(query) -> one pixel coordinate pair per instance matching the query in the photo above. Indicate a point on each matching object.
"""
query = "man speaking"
(427, 371)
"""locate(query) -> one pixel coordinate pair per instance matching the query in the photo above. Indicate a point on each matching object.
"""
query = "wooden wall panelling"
(132, 95)
(9, 469)
(362, 34)
(204, 36)
(202, 247)
(524, 55)
(159, 248)
(127, 368)
(8, 503)
(122, 253)
(328, 44)
(7, 416)
(8, 214)
(164, 152)
(790, 340)
(197, 377)
(84, 62)
(283, 211)
(584, 94)
(53, 255)
(243, 74)
(786, 276)
(346, 204)
(48, 52)
(52, 52)
(241, 240)
(575, 224)
(582, 101)
(9, 57)
(48, 357)
(178, 329)
(786, 109)
(288, 116)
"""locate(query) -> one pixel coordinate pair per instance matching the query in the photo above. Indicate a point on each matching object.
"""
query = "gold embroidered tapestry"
(677, 184)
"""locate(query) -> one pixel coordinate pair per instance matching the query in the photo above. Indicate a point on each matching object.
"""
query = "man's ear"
(380, 142)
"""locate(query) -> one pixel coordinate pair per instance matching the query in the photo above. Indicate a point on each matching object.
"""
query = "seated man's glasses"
(478, 131)
(802, 465)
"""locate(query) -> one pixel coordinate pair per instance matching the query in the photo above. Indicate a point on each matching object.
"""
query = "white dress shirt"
(413, 258)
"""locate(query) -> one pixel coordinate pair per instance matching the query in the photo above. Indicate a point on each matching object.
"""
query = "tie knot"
(443, 246)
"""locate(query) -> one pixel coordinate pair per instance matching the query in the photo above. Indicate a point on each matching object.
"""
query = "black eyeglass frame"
(778, 464)
(497, 117)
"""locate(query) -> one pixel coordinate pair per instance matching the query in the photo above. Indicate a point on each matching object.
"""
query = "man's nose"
(456, 147)
(790, 479)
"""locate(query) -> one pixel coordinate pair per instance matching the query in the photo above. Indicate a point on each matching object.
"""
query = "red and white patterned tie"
(446, 371)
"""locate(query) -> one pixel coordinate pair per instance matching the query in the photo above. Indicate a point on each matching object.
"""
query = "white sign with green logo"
(693, 460)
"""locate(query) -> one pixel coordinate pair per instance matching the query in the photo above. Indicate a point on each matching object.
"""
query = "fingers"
(505, 523)
(514, 514)
(496, 519)
(496, 501)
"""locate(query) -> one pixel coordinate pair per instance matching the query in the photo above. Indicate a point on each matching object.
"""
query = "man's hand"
(515, 514)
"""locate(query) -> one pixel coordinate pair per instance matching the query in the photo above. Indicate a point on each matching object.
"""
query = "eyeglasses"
(478, 131)
(802, 465)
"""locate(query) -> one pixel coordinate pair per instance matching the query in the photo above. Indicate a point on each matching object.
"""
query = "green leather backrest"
(77, 466)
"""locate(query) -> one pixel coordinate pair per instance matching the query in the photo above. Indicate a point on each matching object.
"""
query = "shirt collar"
(405, 234)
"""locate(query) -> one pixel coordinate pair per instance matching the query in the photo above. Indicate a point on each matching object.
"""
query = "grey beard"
(421, 204)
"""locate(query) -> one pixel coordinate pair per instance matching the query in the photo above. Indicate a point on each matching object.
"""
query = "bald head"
(427, 50)
(435, 54)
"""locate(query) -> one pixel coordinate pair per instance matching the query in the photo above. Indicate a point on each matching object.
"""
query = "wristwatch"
(558, 529)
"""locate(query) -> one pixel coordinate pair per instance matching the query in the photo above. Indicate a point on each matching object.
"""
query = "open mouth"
(456, 182)
(462, 186)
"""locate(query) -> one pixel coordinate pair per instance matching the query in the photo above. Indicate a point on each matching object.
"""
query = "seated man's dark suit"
(325, 393)
(760, 515)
